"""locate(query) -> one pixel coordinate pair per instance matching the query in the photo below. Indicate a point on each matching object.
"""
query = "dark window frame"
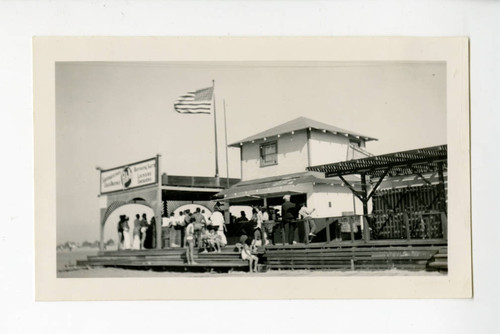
(261, 154)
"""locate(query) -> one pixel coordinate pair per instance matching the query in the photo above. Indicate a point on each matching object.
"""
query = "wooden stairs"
(358, 256)
(167, 259)
(376, 255)
(439, 261)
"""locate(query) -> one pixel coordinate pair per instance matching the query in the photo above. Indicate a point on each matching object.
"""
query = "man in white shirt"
(306, 214)
(166, 222)
(217, 220)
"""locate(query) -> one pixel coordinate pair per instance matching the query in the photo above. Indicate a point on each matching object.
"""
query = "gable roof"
(301, 123)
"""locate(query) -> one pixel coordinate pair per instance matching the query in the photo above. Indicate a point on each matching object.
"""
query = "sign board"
(137, 174)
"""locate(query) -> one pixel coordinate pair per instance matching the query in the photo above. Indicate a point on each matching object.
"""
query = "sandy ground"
(67, 259)
(66, 268)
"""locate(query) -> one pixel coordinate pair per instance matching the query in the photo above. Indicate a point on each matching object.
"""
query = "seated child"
(246, 254)
(204, 239)
(213, 240)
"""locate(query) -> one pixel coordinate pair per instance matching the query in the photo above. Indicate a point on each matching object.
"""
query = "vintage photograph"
(287, 165)
(251, 167)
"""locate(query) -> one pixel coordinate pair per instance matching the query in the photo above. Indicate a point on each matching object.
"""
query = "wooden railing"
(355, 228)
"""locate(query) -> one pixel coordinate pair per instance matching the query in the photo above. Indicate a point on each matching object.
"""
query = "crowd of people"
(142, 234)
(197, 229)
(206, 231)
(258, 229)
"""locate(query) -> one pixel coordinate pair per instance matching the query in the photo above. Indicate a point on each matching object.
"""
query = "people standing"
(260, 217)
(198, 224)
(144, 228)
(217, 221)
(306, 214)
(150, 234)
(119, 228)
(190, 242)
(206, 215)
(187, 220)
(172, 231)
(126, 234)
(165, 231)
(179, 229)
(267, 229)
(265, 214)
(136, 235)
(288, 212)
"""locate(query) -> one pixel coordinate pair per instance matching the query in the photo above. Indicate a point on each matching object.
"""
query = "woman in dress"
(136, 241)
(126, 234)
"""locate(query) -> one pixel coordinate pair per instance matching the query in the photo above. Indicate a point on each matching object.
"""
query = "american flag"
(197, 102)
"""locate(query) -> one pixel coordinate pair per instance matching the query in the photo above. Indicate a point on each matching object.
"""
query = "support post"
(306, 231)
(327, 221)
(442, 198)
(364, 199)
(263, 232)
(225, 136)
(308, 147)
(444, 225)
(215, 132)
(158, 204)
(407, 225)
(366, 229)
(101, 243)
(351, 227)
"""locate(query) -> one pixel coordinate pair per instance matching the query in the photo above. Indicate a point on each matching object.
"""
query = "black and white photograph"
(249, 166)
(279, 168)
(327, 167)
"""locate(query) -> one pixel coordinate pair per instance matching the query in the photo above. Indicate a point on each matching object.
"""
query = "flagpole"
(225, 135)
(215, 131)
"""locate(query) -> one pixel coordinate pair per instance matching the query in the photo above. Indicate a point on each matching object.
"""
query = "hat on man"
(286, 197)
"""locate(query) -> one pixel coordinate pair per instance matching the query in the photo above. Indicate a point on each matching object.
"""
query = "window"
(355, 143)
(268, 154)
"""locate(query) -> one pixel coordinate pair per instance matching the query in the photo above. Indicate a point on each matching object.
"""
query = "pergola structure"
(413, 162)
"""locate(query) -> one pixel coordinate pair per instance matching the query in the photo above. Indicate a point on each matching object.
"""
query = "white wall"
(327, 148)
(341, 199)
(292, 157)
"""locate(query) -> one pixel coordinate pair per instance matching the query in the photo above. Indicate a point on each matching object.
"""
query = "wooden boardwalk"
(358, 255)
(337, 255)
(228, 259)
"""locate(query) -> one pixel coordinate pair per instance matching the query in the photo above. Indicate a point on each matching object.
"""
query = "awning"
(298, 183)
(419, 161)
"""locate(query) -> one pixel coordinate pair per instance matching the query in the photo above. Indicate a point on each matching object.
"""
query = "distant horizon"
(113, 114)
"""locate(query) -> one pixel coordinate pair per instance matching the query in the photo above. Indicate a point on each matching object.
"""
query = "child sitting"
(213, 240)
(204, 239)
(246, 254)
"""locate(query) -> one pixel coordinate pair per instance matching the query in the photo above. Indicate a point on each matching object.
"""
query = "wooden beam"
(421, 176)
(364, 194)
(378, 183)
(354, 191)
(351, 168)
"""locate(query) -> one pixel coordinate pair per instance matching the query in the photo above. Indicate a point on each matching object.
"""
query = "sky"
(112, 114)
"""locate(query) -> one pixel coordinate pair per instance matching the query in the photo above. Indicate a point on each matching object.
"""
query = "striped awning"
(419, 161)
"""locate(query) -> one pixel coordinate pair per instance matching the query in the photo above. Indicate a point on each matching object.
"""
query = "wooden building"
(274, 162)
(141, 183)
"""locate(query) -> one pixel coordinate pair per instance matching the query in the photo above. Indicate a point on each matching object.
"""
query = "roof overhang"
(352, 136)
(419, 161)
(271, 187)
